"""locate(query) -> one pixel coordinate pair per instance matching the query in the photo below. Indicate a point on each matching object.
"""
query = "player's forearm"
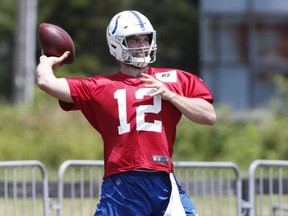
(48, 82)
(196, 109)
(44, 75)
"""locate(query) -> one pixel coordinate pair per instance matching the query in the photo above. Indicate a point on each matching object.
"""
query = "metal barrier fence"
(268, 182)
(79, 187)
(215, 187)
(24, 187)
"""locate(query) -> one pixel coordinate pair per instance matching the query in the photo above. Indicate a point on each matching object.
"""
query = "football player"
(136, 111)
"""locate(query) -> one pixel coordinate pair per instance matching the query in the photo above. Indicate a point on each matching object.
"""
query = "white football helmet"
(126, 24)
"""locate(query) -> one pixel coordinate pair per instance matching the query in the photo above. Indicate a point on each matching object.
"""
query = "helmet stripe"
(116, 25)
(139, 20)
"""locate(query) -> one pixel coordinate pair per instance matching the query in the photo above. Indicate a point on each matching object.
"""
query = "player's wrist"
(171, 96)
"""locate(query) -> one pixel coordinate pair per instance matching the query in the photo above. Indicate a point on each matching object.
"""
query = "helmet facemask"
(140, 56)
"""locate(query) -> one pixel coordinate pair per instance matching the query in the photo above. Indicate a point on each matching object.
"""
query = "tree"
(7, 24)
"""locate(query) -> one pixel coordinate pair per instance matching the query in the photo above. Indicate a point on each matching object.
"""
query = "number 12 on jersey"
(141, 111)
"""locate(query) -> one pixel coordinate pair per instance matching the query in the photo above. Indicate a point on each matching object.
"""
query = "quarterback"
(136, 111)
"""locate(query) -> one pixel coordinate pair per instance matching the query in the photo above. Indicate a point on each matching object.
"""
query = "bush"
(44, 132)
(239, 140)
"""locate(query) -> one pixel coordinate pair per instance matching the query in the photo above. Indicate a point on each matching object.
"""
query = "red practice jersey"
(138, 130)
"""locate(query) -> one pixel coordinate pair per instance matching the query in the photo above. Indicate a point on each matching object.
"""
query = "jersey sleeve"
(194, 87)
(80, 91)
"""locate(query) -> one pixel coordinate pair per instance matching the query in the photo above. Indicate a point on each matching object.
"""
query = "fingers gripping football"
(54, 61)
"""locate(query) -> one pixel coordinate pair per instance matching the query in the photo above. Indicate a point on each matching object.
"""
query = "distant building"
(243, 43)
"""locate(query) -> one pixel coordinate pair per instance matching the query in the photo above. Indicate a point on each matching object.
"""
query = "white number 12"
(141, 110)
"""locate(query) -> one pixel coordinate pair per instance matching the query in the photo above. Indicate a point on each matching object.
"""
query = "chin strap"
(137, 66)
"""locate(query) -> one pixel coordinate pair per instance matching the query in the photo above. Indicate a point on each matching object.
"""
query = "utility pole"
(25, 52)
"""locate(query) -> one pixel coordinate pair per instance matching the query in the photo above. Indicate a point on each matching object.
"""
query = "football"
(54, 41)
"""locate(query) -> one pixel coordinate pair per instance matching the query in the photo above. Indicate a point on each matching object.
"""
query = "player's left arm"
(196, 109)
